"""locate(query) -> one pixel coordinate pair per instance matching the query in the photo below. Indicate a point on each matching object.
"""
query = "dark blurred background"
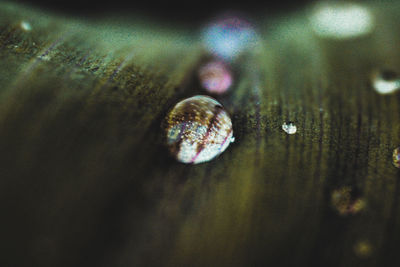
(175, 11)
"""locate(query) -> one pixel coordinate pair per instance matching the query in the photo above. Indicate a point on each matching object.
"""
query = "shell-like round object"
(198, 129)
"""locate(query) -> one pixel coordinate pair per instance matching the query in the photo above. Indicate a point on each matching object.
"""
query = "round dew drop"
(198, 129)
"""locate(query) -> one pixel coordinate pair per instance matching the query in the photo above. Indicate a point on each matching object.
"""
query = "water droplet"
(45, 57)
(341, 20)
(26, 26)
(385, 82)
(396, 157)
(289, 128)
(228, 37)
(215, 77)
(363, 249)
(198, 129)
(345, 201)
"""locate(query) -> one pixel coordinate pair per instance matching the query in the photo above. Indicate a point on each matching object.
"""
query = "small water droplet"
(341, 20)
(198, 129)
(346, 201)
(396, 157)
(26, 26)
(232, 139)
(385, 81)
(289, 128)
(45, 57)
(215, 77)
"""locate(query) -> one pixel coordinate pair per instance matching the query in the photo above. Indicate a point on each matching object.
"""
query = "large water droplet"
(289, 128)
(385, 82)
(215, 77)
(198, 129)
(341, 20)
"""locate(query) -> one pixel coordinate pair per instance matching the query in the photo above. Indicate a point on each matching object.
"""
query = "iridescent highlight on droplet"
(396, 157)
(198, 129)
(227, 38)
(341, 20)
(215, 77)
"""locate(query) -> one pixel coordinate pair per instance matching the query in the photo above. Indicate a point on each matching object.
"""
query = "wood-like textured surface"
(86, 181)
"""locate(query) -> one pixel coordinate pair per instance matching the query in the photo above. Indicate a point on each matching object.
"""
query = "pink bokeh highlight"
(215, 77)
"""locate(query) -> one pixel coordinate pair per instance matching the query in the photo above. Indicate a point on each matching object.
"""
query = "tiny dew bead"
(198, 129)
(385, 81)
